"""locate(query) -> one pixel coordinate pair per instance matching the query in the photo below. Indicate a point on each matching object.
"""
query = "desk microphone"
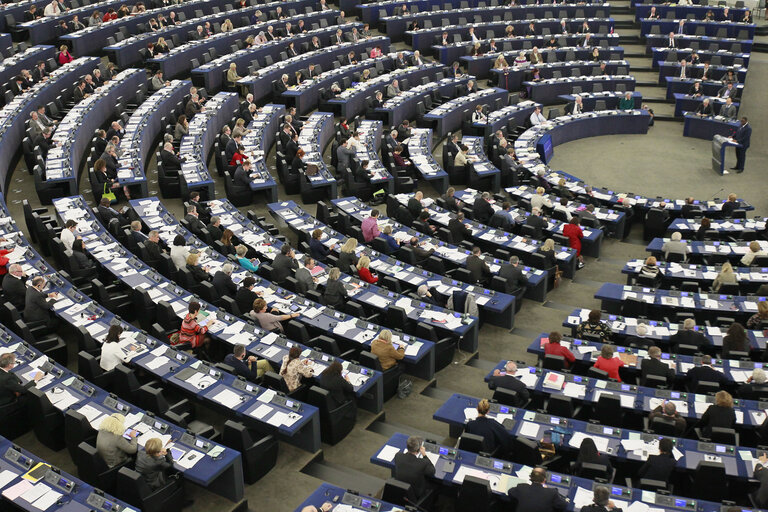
(713, 195)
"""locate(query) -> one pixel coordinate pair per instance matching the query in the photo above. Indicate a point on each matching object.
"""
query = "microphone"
(713, 195)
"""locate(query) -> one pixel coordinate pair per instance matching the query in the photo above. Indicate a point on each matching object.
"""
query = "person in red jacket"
(574, 233)
(64, 56)
(364, 272)
(608, 363)
(556, 349)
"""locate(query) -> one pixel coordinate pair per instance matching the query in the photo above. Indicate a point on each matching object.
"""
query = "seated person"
(294, 368)
(269, 321)
(668, 410)
(383, 348)
(247, 366)
(495, 436)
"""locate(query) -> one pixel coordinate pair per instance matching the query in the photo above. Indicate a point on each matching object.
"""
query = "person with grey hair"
(689, 336)
(505, 378)
(482, 211)
(705, 373)
(653, 365)
(414, 467)
(11, 387)
(214, 228)
(425, 295)
(675, 245)
(514, 275)
(14, 287)
(640, 339)
(222, 281)
(304, 279)
(668, 410)
(602, 501)
(755, 387)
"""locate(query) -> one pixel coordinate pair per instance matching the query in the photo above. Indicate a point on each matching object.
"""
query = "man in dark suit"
(459, 231)
(136, 233)
(414, 467)
(203, 212)
(513, 274)
(659, 467)
(106, 213)
(193, 106)
(705, 373)
(537, 222)
(14, 285)
(284, 265)
(482, 210)
(478, 268)
(196, 226)
(152, 245)
(222, 281)
(246, 366)
(232, 146)
(420, 253)
(169, 158)
(687, 336)
(100, 144)
(507, 380)
(653, 365)
(214, 228)
(11, 387)
(704, 108)
(115, 129)
(761, 475)
(245, 295)
(38, 305)
(741, 137)
(414, 204)
(44, 142)
(534, 497)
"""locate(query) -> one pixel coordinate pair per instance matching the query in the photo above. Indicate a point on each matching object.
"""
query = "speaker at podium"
(719, 146)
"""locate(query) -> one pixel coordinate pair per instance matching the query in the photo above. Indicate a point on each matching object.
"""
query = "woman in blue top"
(392, 242)
(244, 262)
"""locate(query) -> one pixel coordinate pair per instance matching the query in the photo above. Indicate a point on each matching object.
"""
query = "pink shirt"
(370, 227)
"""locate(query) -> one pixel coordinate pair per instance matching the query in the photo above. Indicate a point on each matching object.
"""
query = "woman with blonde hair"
(110, 443)
(364, 272)
(335, 293)
(501, 62)
(758, 318)
(347, 256)
(726, 276)
(548, 250)
(227, 26)
(720, 414)
(199, 273)
(161, 46)
(153, 462)
(383, 348)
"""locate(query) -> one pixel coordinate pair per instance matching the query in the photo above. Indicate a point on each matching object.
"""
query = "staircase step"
(648, 84)
(387, 428)
(343, 476)
(654, 99)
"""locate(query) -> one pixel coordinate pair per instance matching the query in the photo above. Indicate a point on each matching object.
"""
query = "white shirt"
(538, 201)
(52, 9)
(561, 208)
(537, 118)
(179, 255)
(111, 356)
(67, 238)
